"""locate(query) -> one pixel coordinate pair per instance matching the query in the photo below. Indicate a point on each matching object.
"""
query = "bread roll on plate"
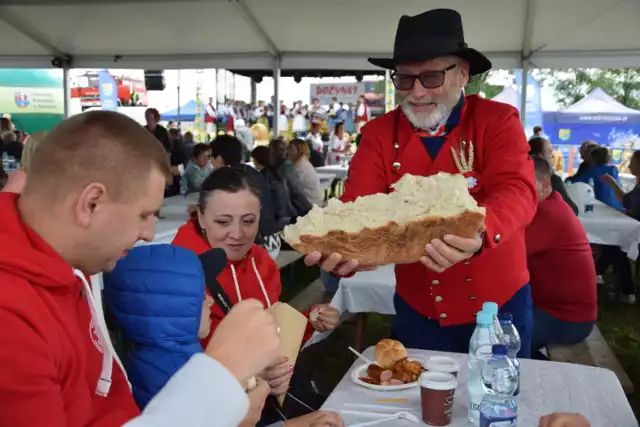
(390, 228)
(389, 352)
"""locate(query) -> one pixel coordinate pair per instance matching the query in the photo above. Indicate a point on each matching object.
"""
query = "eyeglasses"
(432, 79)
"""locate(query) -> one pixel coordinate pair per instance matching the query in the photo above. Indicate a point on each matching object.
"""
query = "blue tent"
(187, 113)
(597, 117)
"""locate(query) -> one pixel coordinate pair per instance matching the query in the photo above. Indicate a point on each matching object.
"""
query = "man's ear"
(91, 199)
(464, 72)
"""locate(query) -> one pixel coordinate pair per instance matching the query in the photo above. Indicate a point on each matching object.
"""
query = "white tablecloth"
(607, 226)
(174, 214)
(546, 387)
(340, 172)
(326, 178)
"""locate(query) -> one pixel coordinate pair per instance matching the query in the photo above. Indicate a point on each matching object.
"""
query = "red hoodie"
(256, 266)
(51, 354)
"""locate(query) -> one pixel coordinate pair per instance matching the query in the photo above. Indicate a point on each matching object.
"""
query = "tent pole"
(276, 96)
(523, 91)
(254, 92)
(179, 121)
(66, 91)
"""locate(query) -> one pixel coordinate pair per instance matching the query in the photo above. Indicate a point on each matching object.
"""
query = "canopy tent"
(598, 117)
(509, 96)
(296, 34)
(186, 113)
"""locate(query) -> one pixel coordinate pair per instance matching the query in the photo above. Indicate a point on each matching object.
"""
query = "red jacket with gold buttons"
(390, 148)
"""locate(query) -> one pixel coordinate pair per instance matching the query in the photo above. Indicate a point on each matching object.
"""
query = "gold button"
(435, 282)
(473, 297)
(396, 145)
(438, 298)
(468, 279)
(396, 165)
(497, 238)
(443, 316)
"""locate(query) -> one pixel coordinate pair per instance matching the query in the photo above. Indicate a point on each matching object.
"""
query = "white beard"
(426, 121)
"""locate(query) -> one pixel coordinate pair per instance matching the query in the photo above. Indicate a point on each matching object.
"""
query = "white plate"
(361, 371)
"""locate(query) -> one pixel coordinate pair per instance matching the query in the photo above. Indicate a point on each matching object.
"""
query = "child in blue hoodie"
(599, 168)
(156, 295)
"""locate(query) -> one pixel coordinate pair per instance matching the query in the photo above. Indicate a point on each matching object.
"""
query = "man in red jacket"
(563, 275)
(91, 192)
(435, 128)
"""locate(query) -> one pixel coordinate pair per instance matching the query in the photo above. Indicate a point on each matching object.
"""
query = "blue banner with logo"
(533, 113)
(108, 91)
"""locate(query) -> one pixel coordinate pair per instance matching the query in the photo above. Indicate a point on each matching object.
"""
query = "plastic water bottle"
(499, 408)
(492, 308)
(480, 351)
(590, 198)
(184, 187)
(511, 338)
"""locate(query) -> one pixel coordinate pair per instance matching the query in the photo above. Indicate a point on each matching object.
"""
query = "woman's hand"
(257, 397)
(326, 319)
(559, 419)
(335, 264)
(607, 178)
(316, 419)
(278, 375)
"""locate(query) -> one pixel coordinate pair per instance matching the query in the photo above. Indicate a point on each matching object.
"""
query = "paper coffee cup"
(437, 390)
(442, 364)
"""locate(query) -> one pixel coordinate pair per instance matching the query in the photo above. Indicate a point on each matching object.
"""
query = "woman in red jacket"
(227, 217)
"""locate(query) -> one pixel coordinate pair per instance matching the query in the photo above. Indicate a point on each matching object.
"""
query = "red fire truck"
(131, 92)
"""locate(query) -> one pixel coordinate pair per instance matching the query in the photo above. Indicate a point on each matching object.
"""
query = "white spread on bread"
(414, 198)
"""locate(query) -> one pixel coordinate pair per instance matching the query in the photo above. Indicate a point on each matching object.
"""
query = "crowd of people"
(90, 189)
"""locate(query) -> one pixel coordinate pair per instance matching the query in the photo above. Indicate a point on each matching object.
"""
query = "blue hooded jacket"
(156, 294)
(602, 190)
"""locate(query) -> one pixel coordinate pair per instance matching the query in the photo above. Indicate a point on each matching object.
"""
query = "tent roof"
(509, 96)
(599, 102)
(187, 112)
(306, 34)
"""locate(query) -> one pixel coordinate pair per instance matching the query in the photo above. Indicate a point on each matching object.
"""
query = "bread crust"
(393, 243)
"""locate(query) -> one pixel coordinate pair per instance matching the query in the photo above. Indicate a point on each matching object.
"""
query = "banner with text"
(345, 92)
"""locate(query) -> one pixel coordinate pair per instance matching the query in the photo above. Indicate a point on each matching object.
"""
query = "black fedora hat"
(430, 35)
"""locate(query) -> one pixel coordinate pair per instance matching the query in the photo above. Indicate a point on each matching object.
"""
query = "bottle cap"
(499, 350)
(490, 307)
(484, 318)
(506, 318)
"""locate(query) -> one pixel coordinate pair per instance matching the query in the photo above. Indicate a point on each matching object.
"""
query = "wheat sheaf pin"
(463, 159)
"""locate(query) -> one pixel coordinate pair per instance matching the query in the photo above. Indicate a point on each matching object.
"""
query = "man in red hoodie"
(91, 192)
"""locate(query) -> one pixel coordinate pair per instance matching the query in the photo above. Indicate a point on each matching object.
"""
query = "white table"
(174, 214)
(340, 172)
(546, 387)
(607, 226)
(326, 179)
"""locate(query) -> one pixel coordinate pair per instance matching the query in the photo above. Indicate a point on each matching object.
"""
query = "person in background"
(244, 135)
(339, 141)
(537, 132)
(298, 153)
(585, 155)
(18, 178)
(631, 200)
(600, 159)
(285, 169)
(362, 114)
(284, 211)
(560, 263)
(210, 117)
(189, 143)
(540, 146)
(156, 296)
(315, 136)
(228, 215)
(152, 116)
(94, 184)
(198, 168)
(226, 151)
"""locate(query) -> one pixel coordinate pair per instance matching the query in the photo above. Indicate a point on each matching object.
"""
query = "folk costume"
(485, 141)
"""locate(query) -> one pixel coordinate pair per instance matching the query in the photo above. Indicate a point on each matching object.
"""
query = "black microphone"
(213, 262)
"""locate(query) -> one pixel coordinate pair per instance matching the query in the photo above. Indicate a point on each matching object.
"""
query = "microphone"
(213, 262)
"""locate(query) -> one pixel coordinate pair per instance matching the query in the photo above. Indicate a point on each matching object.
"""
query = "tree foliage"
(479, 85)
(571, 85)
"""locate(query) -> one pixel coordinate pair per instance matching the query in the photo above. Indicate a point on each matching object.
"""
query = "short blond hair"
(96, 146)
(302, 146)
(27, 153)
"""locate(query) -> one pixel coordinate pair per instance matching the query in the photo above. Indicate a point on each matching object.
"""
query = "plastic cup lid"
(437, 381)
(442, 364)
(490, 307)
